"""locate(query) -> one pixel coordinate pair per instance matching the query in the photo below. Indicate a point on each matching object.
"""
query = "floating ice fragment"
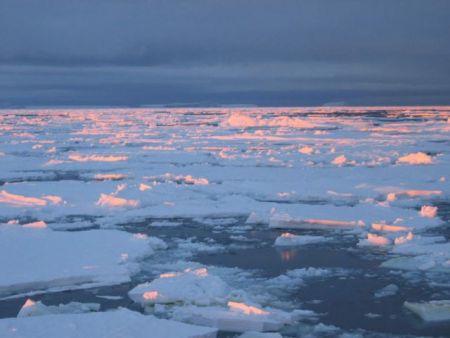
(242, 120)
(190, 286)
(340, 160)
(235, 321)
(246, 309)
(375, 240)
(109, 177)
(307, 150)
(428, 211)
(388, 290)
(86, 259)
(53, 199)
(284, 221)
(389, 228)
(254, 218)
(36, 225)
(21, 201)
(113, 201)
(144, 187)
(433, 311)
(415, 158)
(404, 239)
(117, 323)
(31, 308)
(97, 158)
(288, 239)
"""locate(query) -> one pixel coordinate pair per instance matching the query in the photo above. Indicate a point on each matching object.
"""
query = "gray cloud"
(134, 52)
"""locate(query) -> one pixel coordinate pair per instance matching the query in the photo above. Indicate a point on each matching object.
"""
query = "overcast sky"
(188, 52)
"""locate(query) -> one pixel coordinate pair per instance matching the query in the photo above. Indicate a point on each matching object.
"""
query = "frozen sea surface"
(318, 222)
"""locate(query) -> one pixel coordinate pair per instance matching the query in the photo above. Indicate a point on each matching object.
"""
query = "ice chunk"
(242, 120)
(113, 201)
(234, 319)
(284, 221)
(307, 150)
(109, 177)
(55, 260)
(144, 187)
(375, 240)
(404, 239)
(388, 290)
(36, 225)
(433, 311)
(21, 201)
(117, 323)
(415, 158)
(31, 308)
(389, 228)
(97, 158)
(428, 211)
(288, 239)
(254, 218)
(340, 160)
(192, 286)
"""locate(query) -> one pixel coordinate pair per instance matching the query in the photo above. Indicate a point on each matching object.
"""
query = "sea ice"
(388, 290)
(192, 286)
(41, 259)
(288, 239)
(238, 317)
(432, 311)
(117, 323)
(31, 308)
(416, 158)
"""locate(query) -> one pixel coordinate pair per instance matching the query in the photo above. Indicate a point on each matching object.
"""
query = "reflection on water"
(287, 254)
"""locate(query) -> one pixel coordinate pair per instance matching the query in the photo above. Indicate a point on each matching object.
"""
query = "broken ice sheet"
(122, 321)
(321, 169)
(55, 260)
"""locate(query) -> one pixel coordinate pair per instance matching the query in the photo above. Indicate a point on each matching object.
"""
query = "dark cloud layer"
(137, 52)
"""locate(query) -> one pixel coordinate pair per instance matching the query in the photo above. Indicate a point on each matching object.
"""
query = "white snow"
(121, 323)
(39, 259)
(192, 286)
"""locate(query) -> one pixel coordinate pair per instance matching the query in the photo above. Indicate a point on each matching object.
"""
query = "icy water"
(368, 187)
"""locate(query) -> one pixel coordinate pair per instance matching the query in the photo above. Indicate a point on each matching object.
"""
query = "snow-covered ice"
(40, 259)
(191, 286)
(297, 198)
(118, 323)
(432, 311)
(288, 239)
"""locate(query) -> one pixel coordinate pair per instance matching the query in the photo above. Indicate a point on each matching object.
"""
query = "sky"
(227, 52)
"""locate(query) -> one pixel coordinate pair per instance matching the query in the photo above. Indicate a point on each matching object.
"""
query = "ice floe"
(192, 286)
(55, 260)
(288, 239)
(117, 323)
(432, 311)
(31, 308)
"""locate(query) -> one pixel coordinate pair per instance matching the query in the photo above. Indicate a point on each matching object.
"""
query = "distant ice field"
(299, 222)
